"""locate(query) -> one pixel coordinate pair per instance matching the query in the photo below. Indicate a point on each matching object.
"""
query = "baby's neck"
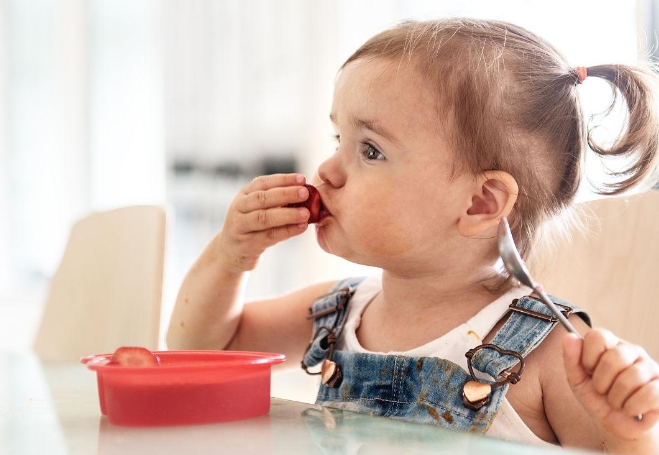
(410, 312)
(427, 293)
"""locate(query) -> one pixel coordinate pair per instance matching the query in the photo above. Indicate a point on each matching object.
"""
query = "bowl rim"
(100, 362)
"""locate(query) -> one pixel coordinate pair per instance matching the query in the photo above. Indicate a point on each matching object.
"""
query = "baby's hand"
(257, 219)
(615, 382)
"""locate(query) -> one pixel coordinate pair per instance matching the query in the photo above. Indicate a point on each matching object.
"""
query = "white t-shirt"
(452, 346)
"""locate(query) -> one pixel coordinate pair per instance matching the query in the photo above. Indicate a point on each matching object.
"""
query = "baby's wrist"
(218, 260)
(228, 266)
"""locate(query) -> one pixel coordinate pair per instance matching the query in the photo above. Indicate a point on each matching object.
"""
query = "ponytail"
(639, 141)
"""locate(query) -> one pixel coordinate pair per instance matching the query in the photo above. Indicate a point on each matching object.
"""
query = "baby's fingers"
(572, 352)
(259, 195)
(644, 402)
(266, 220)
(631, 383)
(596, 343)
(267, 182)
(615, 362)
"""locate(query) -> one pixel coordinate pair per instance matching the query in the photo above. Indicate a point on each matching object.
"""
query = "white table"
(52, 409)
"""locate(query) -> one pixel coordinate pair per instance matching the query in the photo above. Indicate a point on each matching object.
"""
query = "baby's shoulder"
(547, 358)
(543, 388)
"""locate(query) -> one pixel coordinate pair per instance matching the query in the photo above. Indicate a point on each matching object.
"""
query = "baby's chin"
(347, 254)
(321, 239)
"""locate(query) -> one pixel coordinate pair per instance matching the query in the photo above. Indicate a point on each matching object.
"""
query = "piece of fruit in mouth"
(313, 203)
(134, 356)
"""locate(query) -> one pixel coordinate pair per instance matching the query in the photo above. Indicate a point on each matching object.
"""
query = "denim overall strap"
(329, 312)
(529, 324)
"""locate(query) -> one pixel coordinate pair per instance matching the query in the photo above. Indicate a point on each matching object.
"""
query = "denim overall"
(425, 389)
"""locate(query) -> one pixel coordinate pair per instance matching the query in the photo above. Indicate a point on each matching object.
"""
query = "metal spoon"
(516, 267)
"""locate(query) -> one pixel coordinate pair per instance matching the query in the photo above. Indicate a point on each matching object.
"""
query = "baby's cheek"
(385, 235)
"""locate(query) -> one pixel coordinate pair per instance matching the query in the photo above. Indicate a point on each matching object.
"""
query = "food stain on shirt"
(471, 333)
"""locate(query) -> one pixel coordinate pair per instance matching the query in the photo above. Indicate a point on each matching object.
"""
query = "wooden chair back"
(107, 289)
(612, 269)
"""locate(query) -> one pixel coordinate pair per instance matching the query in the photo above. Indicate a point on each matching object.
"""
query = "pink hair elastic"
(582, 73)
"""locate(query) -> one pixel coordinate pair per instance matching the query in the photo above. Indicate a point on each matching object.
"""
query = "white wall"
(4, 231)
(44, 160)
(83, 122)
(126, 131)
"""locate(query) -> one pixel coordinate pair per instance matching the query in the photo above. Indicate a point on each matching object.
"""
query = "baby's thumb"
(572, 349)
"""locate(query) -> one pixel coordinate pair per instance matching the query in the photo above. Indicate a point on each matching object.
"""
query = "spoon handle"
(554, 309)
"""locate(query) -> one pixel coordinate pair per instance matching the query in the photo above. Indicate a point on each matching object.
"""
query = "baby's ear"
(494, 195)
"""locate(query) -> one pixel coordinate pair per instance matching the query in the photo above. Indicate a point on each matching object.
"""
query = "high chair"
(611, 268)
(107, 289)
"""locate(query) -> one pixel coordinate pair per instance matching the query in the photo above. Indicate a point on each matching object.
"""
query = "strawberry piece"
(313, 203)
(133, 356)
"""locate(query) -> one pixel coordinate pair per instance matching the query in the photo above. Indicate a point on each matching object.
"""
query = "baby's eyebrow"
(372, 125)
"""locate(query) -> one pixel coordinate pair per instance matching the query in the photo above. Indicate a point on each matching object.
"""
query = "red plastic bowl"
(188, 387)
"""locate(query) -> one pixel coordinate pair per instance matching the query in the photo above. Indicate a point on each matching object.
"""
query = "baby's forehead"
(381, 85)
(384, 70)
(381, 97)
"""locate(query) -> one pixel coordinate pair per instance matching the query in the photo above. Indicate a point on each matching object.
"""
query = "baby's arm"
(208, 313)
(615, 382)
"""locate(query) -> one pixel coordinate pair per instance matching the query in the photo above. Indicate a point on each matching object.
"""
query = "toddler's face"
(388, 185)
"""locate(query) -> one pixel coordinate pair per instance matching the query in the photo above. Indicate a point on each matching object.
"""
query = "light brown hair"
(510, 102)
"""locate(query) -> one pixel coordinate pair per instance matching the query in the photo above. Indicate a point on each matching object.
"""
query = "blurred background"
(106, 103)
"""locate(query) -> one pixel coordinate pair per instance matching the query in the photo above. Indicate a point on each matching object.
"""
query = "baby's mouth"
(322, 211)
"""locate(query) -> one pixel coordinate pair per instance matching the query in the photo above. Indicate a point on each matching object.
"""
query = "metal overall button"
(330, 371)
(476, 394)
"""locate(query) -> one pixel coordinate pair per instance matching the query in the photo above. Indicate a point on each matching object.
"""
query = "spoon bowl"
(515, 265)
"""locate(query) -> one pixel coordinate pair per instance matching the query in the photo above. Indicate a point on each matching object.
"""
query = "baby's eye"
(337, 141)
(371, 153)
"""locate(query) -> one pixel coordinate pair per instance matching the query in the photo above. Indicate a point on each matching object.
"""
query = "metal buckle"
(476, 394)
(566, 310)
(346, 292)
(506, 376)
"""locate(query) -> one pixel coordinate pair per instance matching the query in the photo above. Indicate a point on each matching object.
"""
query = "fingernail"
(302, 192)
(299, 178)
(303, 213)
